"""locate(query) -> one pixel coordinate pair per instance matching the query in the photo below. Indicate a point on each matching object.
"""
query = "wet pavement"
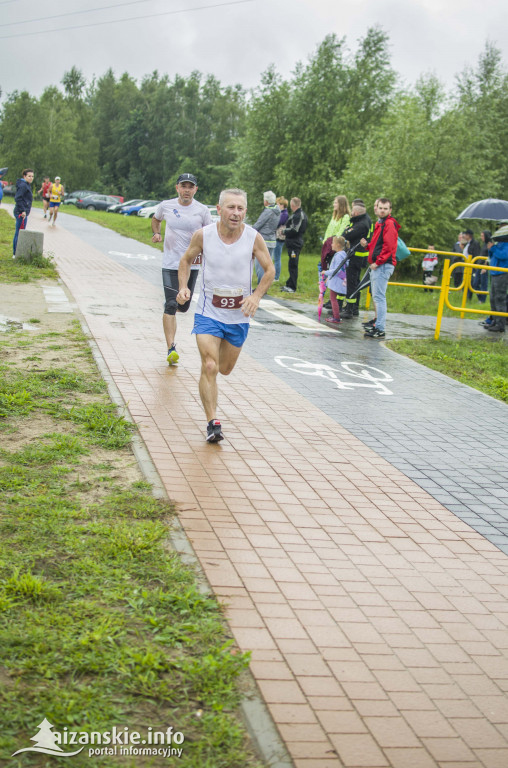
(353, 522)
(436, 431)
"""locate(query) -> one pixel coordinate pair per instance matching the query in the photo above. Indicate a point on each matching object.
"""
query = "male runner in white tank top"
(226, 302)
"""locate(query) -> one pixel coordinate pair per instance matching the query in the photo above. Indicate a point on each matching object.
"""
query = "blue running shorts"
(235, 333)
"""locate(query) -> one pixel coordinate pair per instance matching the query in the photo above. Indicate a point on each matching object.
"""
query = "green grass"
(15, 270)
(100, 623)
(130, 226)
(481, 365)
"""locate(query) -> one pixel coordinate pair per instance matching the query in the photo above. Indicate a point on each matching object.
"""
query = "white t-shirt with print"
(181, 223)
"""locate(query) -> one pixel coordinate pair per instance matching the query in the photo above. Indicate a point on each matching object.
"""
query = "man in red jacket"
(382, 261)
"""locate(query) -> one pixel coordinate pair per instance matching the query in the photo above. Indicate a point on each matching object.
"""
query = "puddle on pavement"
(13, 324)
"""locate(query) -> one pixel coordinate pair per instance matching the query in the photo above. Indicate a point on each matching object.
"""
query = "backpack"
(402, 250)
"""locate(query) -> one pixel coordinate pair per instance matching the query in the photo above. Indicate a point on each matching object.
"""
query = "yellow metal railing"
(467, 265)
(445, 288)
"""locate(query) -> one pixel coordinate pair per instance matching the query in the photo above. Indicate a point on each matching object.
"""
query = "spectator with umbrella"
(498, 257)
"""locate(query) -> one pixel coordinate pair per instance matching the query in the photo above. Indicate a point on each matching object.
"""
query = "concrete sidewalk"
(376, 618)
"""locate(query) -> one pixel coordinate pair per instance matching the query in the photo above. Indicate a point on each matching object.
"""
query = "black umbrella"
(350, 252)
(364, 282)
(490, 209)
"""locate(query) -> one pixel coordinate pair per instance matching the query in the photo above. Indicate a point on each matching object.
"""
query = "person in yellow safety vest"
(56, 194)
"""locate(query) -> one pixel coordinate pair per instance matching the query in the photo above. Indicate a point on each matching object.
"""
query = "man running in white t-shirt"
(226, 302)
(183, 216)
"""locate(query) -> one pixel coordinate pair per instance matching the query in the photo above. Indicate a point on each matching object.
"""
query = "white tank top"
(226, 275)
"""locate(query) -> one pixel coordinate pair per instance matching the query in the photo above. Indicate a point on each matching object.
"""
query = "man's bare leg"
(169, 325)
(217, 356)
(228, 355)
(209, 349)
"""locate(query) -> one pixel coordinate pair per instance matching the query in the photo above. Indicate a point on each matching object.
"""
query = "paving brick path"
(377, 619)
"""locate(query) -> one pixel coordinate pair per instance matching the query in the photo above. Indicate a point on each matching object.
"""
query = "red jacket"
(387, 229)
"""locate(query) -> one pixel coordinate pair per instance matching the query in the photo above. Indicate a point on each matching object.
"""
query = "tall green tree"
(21, 145)
(482, 94)
(258, 149)
(299, 133)
(422, 156)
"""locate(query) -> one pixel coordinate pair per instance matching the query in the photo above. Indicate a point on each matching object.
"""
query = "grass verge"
(474, 362)
(15, 270)
(100, 624)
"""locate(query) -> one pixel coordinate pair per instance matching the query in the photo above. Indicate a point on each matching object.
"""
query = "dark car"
(73, 197)
(9, 189)
(95, 202)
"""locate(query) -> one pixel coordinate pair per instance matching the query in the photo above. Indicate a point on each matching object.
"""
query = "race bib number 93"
(229, 298)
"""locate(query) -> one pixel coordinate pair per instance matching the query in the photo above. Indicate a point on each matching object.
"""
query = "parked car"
(9, 189)
(117, 207)
(95, 202)
(72, 197)
(213, 212)
(131, 210)
(148, 211)
(119, 198)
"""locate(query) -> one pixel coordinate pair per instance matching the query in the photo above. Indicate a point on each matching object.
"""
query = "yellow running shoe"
(173, 356)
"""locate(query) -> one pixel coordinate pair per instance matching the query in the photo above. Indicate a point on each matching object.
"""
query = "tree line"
(340, 124)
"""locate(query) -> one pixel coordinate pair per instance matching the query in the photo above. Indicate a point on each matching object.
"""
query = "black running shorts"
(170, 283)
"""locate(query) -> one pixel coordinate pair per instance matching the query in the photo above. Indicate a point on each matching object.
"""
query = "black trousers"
(293, 256)
(353, 272)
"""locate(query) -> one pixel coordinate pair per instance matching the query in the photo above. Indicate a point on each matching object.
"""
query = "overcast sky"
(234, 41)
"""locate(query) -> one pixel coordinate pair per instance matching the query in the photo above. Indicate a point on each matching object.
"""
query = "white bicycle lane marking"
(141, 256)
(371, 377)
(295, 318)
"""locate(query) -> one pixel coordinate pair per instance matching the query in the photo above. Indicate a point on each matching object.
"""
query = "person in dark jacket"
(359, 228)
(471, 249)
(458, 248)
(481, 280)
(295, 229)
(22, 203)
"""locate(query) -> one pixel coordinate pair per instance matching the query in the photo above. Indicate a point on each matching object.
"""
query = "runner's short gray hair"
(234, 191)
(269, 197)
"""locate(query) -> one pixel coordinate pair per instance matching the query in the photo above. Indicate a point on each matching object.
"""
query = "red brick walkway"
(377, 620)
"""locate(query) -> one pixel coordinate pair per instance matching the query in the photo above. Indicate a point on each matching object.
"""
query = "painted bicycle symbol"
(371, 377)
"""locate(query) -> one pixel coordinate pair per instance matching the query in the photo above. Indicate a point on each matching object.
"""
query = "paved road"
(448, 438)
(376, 619)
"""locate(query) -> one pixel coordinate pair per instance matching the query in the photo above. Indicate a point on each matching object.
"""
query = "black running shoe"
(373, 333)
(369, 323)
(214, 431)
